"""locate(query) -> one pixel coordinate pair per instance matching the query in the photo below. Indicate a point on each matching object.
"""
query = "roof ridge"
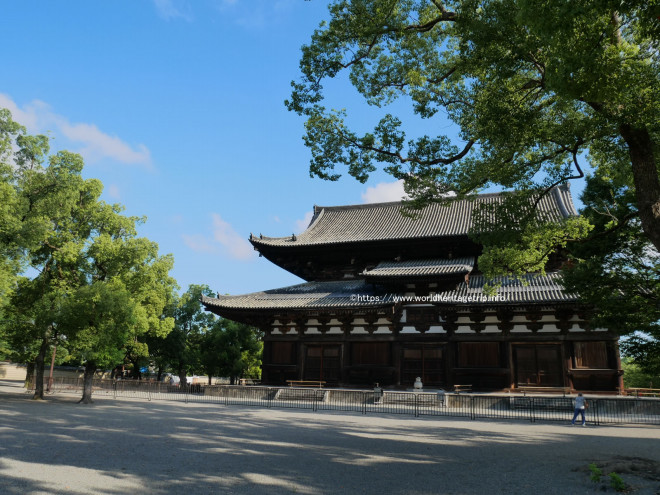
(392, 203)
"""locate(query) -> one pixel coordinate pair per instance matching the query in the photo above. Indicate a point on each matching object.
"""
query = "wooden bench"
(305, 383)
(542, 403)
(542, 390)
(643, 392)
(301, 394)
(462, 388)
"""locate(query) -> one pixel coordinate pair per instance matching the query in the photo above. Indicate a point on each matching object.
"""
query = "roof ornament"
(260, 235)
(250, 235)
(293, 237)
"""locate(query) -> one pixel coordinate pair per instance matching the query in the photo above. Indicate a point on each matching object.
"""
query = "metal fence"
(602, 410)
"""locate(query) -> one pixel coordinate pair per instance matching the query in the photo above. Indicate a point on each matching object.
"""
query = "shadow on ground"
(113, 447)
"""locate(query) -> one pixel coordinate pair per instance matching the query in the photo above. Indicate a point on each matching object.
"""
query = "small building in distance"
(389, 298)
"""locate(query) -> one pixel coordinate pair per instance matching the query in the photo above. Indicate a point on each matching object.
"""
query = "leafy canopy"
(533, 88)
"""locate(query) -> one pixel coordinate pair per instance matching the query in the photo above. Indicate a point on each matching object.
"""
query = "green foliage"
(617, 482)
(635, 377)
(181, 349)
(98, 288)
(530, 86)
(617, 271)
(232, 349)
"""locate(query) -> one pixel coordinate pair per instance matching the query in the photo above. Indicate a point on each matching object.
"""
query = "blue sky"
(177, 106)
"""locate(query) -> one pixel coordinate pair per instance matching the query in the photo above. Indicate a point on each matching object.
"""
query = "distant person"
(580, 406)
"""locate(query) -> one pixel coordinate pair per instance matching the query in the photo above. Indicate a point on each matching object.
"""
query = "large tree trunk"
(39, 365)
(88, 381)
(183, 380)
(645, 176)
(29, 375)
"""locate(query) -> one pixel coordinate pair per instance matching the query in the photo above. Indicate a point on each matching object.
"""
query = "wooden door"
(422, 361)
(538, 365)
(322, 363)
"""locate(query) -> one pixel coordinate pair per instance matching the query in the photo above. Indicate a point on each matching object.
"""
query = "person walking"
(580, 405)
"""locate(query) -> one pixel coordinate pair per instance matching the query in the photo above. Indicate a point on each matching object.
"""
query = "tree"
(51, 211)
(618, 270)
(122, 302)
(97, 287)
(535, 89)
(531, 85)
(10, 254)
(232, 349)
(181, 349)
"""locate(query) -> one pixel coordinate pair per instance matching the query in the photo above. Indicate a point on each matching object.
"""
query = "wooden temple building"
(389, 298)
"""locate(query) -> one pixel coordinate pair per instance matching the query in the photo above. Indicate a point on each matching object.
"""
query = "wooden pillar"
(617, 360)
(568, 363)
(266, 359)
(512, 371)
(396, 351)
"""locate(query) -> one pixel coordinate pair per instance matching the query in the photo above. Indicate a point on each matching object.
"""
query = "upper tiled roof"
(384, 221)
(421, 268)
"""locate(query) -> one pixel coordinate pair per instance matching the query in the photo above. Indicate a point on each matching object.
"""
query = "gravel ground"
(130, 446)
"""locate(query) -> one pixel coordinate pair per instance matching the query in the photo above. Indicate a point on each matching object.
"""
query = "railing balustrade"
(602, 410)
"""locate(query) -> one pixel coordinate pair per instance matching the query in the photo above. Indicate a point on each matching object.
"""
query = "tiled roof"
(360, 294)
(421, 268)
(531, 289)
(310, 295)
(384, 221)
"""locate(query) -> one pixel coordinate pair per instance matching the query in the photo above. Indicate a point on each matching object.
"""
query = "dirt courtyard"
(130, 446)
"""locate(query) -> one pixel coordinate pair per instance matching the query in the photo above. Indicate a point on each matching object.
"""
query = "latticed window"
(375, 353)
(283, 353)
(478, 354)
(590, 355)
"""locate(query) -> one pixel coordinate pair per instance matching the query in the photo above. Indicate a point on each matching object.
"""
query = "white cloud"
(223, 241)
(301, 225)
(255, 14)
(38, 117)
(199, 244)
(168, 10)
(384, 192)
(113, 191)
(233, 243)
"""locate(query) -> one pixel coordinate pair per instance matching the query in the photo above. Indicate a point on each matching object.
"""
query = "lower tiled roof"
(528, 289)
(349, 294)
(310, 295)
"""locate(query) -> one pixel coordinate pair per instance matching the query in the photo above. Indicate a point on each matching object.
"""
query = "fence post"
(596, 413)
(472, 413)
(532, 416)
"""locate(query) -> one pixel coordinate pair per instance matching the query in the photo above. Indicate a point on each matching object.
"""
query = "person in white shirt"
(580, 406)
